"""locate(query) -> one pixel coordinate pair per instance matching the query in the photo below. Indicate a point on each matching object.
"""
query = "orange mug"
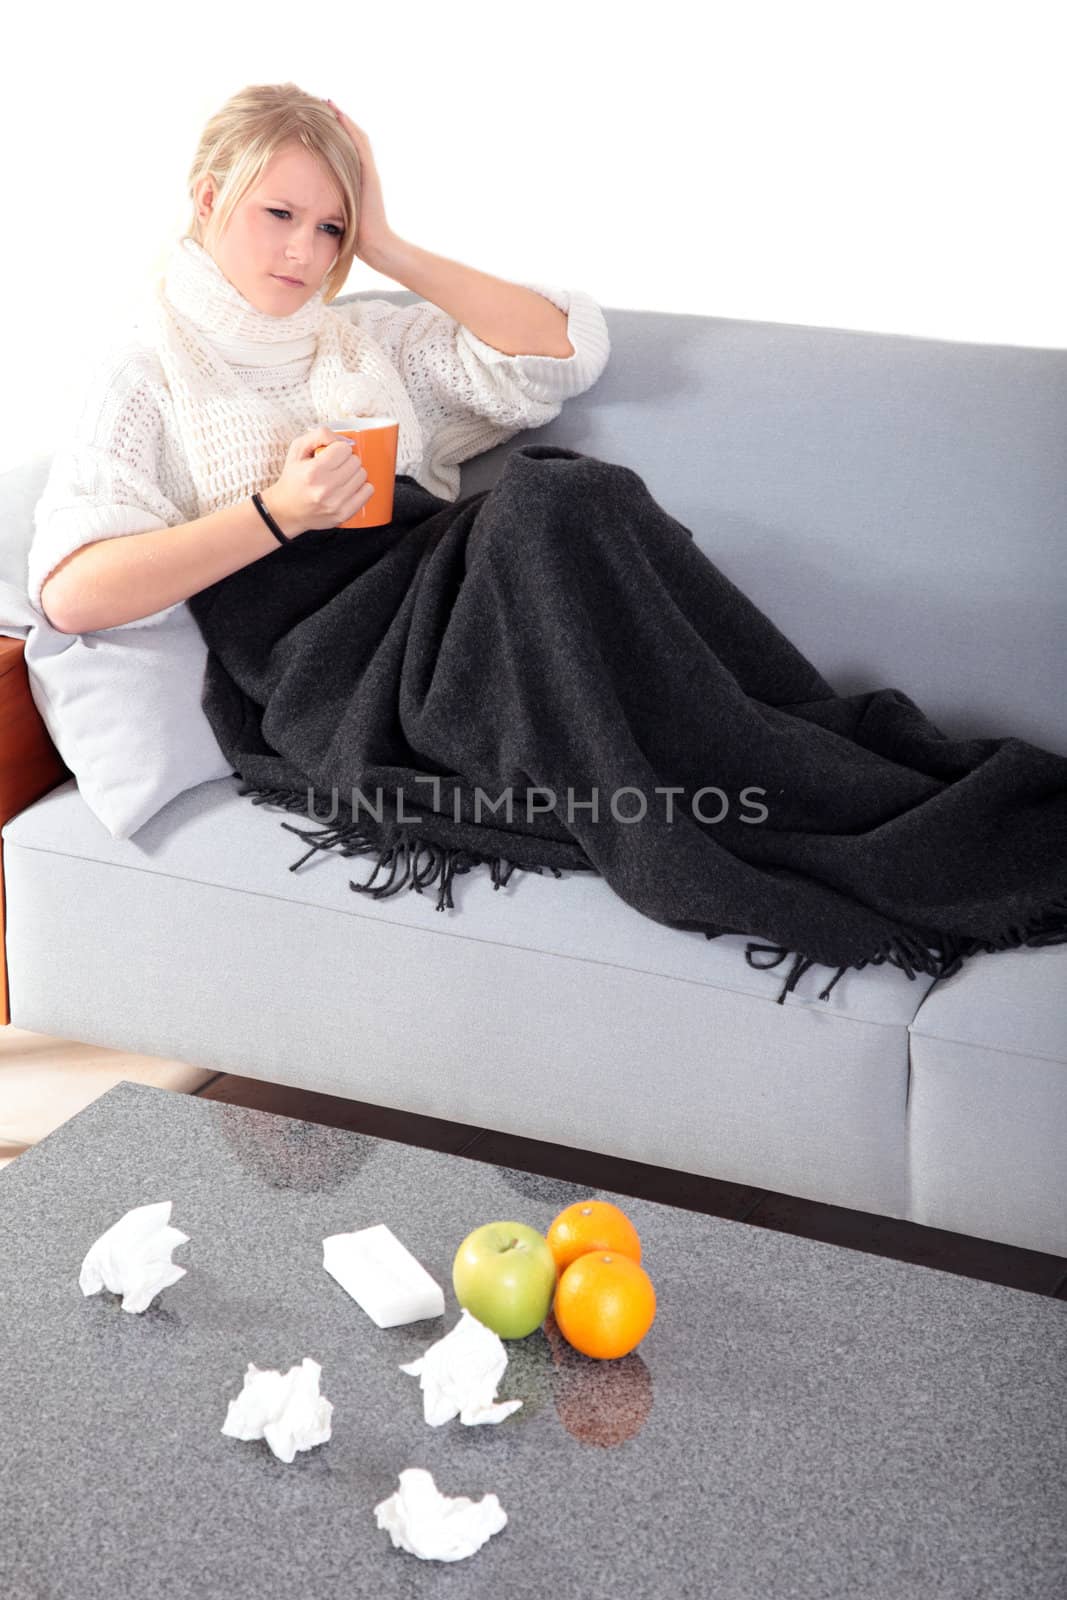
(374, 442)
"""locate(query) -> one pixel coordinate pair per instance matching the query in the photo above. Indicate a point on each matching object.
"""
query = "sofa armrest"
(30, 765)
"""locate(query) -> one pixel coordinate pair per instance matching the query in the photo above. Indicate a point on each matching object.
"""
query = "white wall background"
(894, 165)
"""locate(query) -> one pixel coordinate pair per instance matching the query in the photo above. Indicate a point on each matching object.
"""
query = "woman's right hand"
(318, 491)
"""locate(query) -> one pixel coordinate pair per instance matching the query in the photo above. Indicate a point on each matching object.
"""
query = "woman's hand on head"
(372, 230)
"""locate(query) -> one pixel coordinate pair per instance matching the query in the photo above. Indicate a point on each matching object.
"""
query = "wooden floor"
(857, 1230)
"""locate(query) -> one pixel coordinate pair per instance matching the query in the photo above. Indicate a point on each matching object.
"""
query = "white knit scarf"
(235, 439)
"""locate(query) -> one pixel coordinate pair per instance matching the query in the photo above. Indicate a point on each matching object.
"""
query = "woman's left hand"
(373, 231)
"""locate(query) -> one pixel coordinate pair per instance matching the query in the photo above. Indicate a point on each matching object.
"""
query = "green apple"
(505, 1275)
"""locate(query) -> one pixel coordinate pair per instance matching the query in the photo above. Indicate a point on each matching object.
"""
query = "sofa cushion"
(987, 1108)
(548, 1008)
(213, 835)
(1009, 1000)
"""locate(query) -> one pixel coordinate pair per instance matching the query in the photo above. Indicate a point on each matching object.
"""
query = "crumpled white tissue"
(460, 1373)
(436, 1526)
(287, 1411)
(133, 1257)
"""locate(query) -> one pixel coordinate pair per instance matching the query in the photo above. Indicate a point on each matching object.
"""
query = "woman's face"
(288, 225)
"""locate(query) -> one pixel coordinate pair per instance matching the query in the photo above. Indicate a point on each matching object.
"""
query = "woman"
(237, 362)
(558, 640)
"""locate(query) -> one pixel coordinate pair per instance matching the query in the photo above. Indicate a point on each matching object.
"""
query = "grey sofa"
(896, 505)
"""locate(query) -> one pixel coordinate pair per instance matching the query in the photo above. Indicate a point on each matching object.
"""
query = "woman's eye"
(335, 231)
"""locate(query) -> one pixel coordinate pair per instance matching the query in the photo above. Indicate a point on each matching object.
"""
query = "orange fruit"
(604, 1304)
(591, 1225)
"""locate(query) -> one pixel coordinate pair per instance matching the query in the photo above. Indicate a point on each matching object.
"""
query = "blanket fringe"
(413, 861)
(912, 952)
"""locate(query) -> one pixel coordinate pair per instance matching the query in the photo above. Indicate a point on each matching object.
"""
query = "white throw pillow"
(122, 708)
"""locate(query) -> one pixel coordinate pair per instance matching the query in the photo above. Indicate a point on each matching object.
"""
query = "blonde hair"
(248, 131)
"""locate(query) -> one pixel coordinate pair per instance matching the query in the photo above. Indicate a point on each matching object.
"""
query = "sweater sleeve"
(105, 480)
(469, 396)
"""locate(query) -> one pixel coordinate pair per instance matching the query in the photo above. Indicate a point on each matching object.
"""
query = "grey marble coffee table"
(801, 1420)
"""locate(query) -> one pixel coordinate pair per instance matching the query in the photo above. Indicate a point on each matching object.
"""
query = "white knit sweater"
(197, 409)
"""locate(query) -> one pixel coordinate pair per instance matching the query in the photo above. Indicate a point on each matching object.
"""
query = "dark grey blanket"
(551, 674)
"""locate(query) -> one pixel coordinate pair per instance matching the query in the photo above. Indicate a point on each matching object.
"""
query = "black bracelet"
(283, 538)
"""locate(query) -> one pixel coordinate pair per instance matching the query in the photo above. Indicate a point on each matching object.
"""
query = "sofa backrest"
(896, 505)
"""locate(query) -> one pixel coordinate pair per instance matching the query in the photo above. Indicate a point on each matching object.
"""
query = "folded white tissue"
(382, 1276)
(133, 1257)
(460, 1373)
(286, 1410)
(436, 1526)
